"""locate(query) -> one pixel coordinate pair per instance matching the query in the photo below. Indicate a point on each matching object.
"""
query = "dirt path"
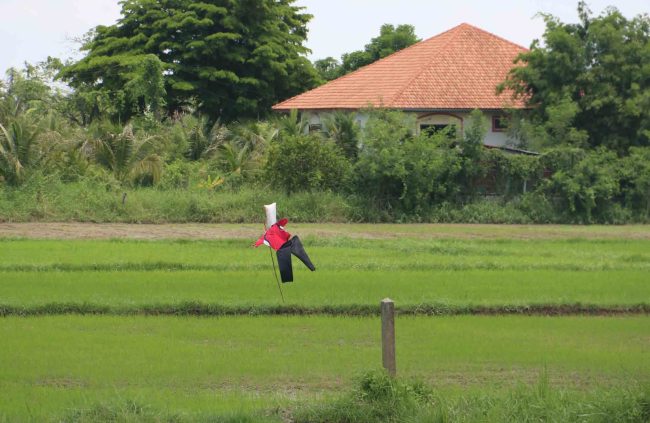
(369, 231)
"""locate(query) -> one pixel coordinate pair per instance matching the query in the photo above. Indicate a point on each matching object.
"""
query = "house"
(441, 80)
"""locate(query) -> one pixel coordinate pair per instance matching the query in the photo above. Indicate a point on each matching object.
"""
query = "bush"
(306, 163)
(176, 174)
(635, 181)
(508, 174)
(585, 184)
(377, 398)
(397, 171)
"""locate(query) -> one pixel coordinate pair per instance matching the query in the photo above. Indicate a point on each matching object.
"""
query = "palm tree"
(235, 160)
(255, 136)
(198, 137)
(292, 124)
(18, 150)
(127, 156)
(342, 128)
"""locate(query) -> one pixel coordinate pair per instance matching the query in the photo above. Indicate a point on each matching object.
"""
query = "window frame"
(439, 127)
(315, 127)
(495, 127)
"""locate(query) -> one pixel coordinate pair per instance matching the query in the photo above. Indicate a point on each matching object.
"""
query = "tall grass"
(47, 199)
(51, 200)
(378, 398)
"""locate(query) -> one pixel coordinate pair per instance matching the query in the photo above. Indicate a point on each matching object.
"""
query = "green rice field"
(195, 330)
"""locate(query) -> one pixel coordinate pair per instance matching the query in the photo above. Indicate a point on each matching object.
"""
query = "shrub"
(377, 398)
(306, 163)
(635, 181)
(584, 183)
(176, 174)
(399, 171)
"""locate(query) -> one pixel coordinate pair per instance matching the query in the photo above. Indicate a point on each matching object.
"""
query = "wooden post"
(388, 336)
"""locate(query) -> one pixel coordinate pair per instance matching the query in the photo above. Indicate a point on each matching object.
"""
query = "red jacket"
(275, 236)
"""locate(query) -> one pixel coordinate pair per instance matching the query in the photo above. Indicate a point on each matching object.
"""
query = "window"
(499, 124)
(315, 127)
(432, 129)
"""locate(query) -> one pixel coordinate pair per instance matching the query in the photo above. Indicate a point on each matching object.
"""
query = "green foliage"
(399, 170)
(235, 58)
(395, 176)
(147, 87)
(306, 163)
(377, 398)
(510, 174)
(194, 137)
(342, 128)
(471, 152)
(292, 124)
(18, 150)
(584, 183)
(381, 168)
(128, 157)
(471, 144)
(129, 411)
(28, 89)
(390, 40)
(328, 68)
(635, 185)
(244, 156)
(177, 174)
(588, 83)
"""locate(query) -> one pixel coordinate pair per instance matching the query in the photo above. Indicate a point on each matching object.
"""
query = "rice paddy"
(167, 323)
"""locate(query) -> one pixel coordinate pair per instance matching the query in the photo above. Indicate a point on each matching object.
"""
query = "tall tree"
(588, 84)
(389, 40)
(229, 58)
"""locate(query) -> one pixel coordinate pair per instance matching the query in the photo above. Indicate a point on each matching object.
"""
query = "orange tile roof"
(458, 69)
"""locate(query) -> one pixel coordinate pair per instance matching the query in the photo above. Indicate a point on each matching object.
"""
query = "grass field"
(61, 364)
(188, 363)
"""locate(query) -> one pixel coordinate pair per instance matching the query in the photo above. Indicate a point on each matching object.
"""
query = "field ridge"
(357, 310)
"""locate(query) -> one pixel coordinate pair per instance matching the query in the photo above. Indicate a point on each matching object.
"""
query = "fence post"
(388, 336)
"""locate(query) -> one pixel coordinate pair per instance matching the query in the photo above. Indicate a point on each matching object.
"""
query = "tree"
(328, 68)
(389, 40)
(588, 84)
(232, 58)
(30, 89)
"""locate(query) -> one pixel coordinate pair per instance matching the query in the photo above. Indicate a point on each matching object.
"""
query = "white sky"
(33, 29)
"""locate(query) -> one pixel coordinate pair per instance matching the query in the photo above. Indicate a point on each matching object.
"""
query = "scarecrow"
(277, 238)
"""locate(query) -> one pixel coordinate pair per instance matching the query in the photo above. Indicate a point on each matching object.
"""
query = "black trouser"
(293, 246)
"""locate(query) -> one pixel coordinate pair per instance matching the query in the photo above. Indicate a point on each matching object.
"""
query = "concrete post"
(388, 336)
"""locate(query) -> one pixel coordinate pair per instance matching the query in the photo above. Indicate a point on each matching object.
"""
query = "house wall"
(492, 137)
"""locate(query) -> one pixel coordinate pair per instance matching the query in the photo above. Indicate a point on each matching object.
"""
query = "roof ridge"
(349, 74)
(421, 75)
(425, 68)
(398, 52)
(455, 35)
(494, 35)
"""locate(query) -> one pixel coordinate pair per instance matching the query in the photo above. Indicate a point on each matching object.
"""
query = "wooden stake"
(388, 336)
